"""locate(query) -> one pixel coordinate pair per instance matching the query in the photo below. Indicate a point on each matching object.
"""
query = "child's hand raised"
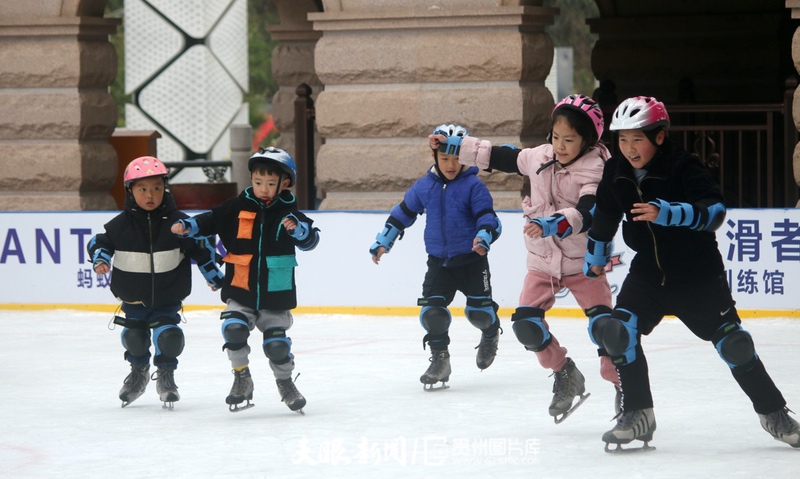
(434, 140)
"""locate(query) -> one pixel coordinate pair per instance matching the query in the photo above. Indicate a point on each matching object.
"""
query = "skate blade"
(433, 387)
(168, 405)
(620, 450)
(560, 419)
(239, 407)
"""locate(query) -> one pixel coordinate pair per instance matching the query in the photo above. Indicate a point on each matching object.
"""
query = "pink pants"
(539, 291)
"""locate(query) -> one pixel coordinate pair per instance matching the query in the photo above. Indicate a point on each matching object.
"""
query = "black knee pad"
(136, 341)
(235, 331)
(481, 312)
(735, 346)
(277, 346)
(527, 323)
(599, 317)
(435, 319)
(169, 341)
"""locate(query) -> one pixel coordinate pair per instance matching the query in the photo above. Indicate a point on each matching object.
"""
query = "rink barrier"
(504, 313)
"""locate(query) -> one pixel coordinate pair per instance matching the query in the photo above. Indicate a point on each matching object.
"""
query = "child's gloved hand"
(101, 261)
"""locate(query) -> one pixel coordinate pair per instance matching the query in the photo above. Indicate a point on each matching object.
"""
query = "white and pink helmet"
(587, 106)
(640, 113)
(143, 167)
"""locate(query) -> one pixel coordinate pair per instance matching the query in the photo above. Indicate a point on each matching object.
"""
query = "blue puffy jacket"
(455, 211)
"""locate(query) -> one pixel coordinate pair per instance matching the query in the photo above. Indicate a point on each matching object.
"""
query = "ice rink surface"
(367, 415)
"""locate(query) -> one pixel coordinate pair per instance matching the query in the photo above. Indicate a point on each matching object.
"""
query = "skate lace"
(136, 377)
(287, 388)
(781, 423)
(562, 387)
(164, 378)
(239, 381)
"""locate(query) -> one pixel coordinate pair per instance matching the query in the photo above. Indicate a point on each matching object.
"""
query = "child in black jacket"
(260, 230)
(672, 207)
(151, 275)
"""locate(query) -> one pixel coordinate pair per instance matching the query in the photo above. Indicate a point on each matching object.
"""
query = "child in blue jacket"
(460, 226)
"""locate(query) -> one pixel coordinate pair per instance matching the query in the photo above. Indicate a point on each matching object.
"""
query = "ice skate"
(781, 426)
(290, 395)
(487, 350)
(135, 384)
(568, 384)
(165, 386)
(438, 371)
(241, 391)
(637, 425)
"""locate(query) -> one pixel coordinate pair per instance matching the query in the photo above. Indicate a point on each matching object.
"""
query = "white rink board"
(43, 260)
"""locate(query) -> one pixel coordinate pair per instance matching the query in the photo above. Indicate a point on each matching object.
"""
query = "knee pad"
(735, 346)
(169, 341)
(235, 331)
(527, 323)
(277, 346)
(599, 317)
(136, 341)
(435, 318)
(481, 312)
(620, 336)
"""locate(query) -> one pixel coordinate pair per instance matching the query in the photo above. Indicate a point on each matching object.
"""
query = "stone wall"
(56, 113)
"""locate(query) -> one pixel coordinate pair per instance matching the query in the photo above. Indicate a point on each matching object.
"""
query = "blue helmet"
(277, 157)
(454, 134)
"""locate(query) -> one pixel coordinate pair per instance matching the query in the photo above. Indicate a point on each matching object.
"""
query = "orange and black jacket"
(260, 259)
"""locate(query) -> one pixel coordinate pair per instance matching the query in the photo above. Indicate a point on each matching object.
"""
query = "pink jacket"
(554, 190)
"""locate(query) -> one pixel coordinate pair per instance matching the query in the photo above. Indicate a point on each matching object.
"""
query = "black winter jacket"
(151, 265)
(669, 255)
(260, 260)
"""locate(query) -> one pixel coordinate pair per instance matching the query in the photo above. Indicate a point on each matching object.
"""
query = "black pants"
(703, 308)
(472, 279)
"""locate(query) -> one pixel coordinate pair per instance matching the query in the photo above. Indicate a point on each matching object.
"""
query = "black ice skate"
(636, 425)
(135, 384)
(487, 350)
(241, 391)
(290, 395)
(781, 426)
(568, 384)
(165, 386)
(438, 371)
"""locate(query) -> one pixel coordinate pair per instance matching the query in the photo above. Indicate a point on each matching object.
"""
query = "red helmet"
(589, 107)
(640, 113)
(143, 167)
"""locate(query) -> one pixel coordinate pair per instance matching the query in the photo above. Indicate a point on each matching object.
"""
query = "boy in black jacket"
(260, 230)
(151, 275)
(672, 207)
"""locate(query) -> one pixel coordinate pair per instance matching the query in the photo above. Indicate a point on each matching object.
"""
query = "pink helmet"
(640, 113)
(143, 167)
(585, 105)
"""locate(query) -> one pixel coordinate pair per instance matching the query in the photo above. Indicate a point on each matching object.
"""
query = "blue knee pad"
(235, 331)
(169, 341)
(528, 325)
(599, 317)
(435, 318)
(735, 347)
(481, 312)
(620, 336)
(277, 346)
(136, 341)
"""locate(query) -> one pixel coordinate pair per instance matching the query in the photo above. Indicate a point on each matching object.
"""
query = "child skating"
(260, 230)
(563, 178)
(460, 226)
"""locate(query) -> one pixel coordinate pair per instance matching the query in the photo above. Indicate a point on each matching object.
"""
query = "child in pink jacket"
(564, 175)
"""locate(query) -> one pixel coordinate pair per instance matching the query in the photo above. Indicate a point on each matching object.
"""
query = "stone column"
(56, 114)
(394, 70)
(293, 64)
